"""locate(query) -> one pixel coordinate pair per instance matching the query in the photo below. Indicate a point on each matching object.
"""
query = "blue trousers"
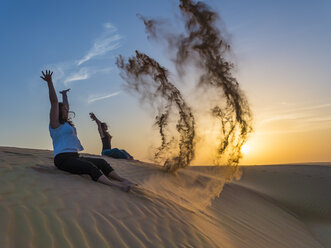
(116, 153)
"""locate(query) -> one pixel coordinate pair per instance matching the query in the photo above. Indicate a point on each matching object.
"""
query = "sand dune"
(304, 190)
(277, 206)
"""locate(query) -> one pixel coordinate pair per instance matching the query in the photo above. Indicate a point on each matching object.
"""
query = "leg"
(128, 156)
(103, 179)
(117, 177)
(116, 153)
(75, 165)
(78, 165)
(107, 170)
(100, 163)
(104, 167)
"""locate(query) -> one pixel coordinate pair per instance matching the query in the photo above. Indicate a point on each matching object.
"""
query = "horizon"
(280, 51)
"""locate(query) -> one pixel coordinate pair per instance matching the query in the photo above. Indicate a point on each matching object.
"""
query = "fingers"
(48, 72)
(64, 91)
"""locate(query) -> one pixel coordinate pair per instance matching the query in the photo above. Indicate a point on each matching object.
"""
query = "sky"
(280, 49)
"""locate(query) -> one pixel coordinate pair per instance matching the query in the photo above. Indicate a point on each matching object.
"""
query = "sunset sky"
(281, 50)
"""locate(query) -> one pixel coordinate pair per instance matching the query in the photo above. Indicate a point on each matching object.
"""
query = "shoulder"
(55, 128)
(60, 127)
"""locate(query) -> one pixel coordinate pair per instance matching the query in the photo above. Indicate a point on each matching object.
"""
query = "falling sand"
(153, 88)
(203, 44)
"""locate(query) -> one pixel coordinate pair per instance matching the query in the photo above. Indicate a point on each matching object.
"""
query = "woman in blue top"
(106, 141)
(66, 143)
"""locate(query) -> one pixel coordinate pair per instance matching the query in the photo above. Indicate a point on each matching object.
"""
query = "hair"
(61, 120)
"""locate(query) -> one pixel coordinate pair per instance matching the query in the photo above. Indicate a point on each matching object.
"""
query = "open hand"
(64, 91)
(47, 76)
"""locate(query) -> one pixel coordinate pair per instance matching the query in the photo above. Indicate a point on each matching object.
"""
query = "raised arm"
(94, 118)
(65, 97)
(54, 113)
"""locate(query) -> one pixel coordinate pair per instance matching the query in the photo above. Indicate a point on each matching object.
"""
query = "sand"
(270, 206)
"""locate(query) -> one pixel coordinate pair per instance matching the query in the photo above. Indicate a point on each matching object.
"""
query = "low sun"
(245, 149)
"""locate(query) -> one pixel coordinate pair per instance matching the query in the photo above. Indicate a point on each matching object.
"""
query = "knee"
(104, 162)
(95, 173)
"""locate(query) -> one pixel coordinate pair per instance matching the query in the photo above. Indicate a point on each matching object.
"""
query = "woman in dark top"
(67, 145)
(106, 141)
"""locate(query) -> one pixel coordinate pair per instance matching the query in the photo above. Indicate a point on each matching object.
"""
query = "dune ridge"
(41, 206)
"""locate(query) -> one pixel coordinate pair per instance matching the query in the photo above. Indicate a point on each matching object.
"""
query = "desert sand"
(268, 206)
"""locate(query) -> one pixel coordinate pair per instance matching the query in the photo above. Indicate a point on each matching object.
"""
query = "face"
(65, 112)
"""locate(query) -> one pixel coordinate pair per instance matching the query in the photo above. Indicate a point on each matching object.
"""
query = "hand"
(48, 76)
(64, 91)
(93, 117)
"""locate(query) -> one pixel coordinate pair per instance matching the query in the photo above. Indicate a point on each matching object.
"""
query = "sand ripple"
(41, 206)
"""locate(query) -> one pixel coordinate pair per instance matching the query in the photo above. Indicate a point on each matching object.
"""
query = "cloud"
(80, 75)
(110, 26)
(83, 74)
(313, 107)
(107, 42)
(279, 117)
(319, 119)
(67, 72)
(94, 98)
(300, 119)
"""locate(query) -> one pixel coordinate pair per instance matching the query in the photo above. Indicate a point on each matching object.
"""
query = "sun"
(245, 149)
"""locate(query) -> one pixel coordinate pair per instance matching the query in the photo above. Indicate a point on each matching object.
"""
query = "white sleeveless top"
(65, 139)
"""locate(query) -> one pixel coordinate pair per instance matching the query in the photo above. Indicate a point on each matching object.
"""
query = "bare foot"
(125, 188)
(127, 182)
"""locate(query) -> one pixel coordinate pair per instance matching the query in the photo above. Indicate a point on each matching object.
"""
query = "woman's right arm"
(54, 113)
(65, 97)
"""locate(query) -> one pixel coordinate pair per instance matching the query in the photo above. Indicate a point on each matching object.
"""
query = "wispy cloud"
(80, 75)
(67, 72)
(94, 98)
(107, 42)
(299, 119)
(84, 73)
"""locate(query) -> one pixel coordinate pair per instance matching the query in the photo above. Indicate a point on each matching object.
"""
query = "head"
(104, 126)
(64, 114)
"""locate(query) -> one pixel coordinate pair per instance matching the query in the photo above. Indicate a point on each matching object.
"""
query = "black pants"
(73, 163)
